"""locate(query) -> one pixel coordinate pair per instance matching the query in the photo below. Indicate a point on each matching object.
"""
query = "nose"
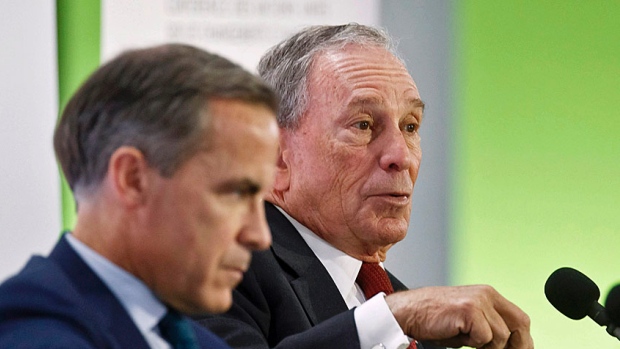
(396, 154)
(256, 234)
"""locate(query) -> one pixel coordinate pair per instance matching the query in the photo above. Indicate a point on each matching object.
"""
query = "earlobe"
(128, 172)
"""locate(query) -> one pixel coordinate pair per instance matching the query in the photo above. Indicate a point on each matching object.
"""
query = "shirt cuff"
(377, 327)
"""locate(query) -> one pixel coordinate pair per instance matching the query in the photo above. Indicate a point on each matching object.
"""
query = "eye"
(411, 122)
(363, 125)
(241, 189)
(411, 128)
(246, 191)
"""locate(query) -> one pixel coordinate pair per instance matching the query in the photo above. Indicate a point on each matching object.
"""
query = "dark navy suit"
(59, 302)
(287, 299)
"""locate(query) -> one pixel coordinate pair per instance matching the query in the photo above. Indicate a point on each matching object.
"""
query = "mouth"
(394, 194)
(237, 261)
(235, 274)
(399, 194)
(393, 198)
(238, 269)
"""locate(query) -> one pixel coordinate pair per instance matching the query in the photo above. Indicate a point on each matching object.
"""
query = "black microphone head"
(612, 304)
(571, 292)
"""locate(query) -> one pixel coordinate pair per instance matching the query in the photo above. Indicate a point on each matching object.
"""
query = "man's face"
(354, 159)
(204, 221)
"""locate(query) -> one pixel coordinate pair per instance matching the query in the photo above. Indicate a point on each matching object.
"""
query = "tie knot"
(177, 331)
(373, 279)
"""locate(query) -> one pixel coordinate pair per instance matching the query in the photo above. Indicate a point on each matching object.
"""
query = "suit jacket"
(287, 299)
(59, 302)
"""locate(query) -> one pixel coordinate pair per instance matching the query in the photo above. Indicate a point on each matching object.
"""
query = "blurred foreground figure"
(169, 152)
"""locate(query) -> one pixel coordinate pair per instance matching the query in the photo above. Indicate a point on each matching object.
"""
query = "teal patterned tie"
(177, 331)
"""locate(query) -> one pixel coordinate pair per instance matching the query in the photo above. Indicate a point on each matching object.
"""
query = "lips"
(235, 273)
(399, 198)
(237, 264)
(237, 267)
(393, 193)
(399, 194)
(392, 187)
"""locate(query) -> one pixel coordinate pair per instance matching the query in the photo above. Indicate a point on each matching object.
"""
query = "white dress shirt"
(376, 326)
(143, 307)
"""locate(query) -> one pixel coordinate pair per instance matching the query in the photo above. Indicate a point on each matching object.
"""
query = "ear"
(283, 165)
(128, 172)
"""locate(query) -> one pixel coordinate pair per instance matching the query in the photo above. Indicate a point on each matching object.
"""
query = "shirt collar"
(143, 307)
(341, 267)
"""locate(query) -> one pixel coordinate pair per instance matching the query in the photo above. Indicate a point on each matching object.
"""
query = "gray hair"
(154, 99)
(286, 66)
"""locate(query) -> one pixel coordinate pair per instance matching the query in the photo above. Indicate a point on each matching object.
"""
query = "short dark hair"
(286, 66)
(155, 99)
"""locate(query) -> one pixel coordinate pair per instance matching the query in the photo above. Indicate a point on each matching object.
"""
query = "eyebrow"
(359, 102)
(417, 103)
(244, 184)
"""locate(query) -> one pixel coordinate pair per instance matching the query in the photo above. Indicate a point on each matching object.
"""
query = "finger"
(518, 323)
(520, 340)
(500, 332)
(456, 342)
(488, 329)
(476, 331)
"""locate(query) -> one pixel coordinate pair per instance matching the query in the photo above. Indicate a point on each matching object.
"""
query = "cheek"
(213, 240)
(205, 266)
(416, 161)
(312, 172)
(349, 166)
(204, 239)
(414, 142)
(221, 227)
(417, 151)
(330, 176)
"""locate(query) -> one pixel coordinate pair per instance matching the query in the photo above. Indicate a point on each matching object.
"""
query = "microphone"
(612, 303)
(576, 295)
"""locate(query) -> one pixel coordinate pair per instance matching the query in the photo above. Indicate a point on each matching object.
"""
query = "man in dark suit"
(348, 159)
(154, 146)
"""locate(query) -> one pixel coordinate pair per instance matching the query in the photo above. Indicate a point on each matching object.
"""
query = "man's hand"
(475, 316)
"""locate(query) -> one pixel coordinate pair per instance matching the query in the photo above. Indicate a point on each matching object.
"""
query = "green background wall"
(537, 153)
(79, 49)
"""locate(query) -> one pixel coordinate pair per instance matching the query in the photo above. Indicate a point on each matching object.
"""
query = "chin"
(392, 230)
(211, 302)
(220, 304)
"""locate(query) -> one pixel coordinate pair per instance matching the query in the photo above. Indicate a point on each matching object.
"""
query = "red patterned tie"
(373, 279)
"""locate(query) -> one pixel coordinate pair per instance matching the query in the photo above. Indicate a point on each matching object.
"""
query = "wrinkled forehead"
(380, 52)
(354, 60)
(342, 73)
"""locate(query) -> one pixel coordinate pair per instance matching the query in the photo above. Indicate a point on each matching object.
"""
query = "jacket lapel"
(396, 284)
(310, 281)
(97, 301)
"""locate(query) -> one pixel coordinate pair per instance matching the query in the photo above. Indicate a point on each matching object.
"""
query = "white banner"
(241, 30)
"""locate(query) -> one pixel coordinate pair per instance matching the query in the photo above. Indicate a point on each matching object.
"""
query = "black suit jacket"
(287, 299)
(59, 302)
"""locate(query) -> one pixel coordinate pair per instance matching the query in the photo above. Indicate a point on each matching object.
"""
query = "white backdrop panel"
(241, 30)
(29, 181)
